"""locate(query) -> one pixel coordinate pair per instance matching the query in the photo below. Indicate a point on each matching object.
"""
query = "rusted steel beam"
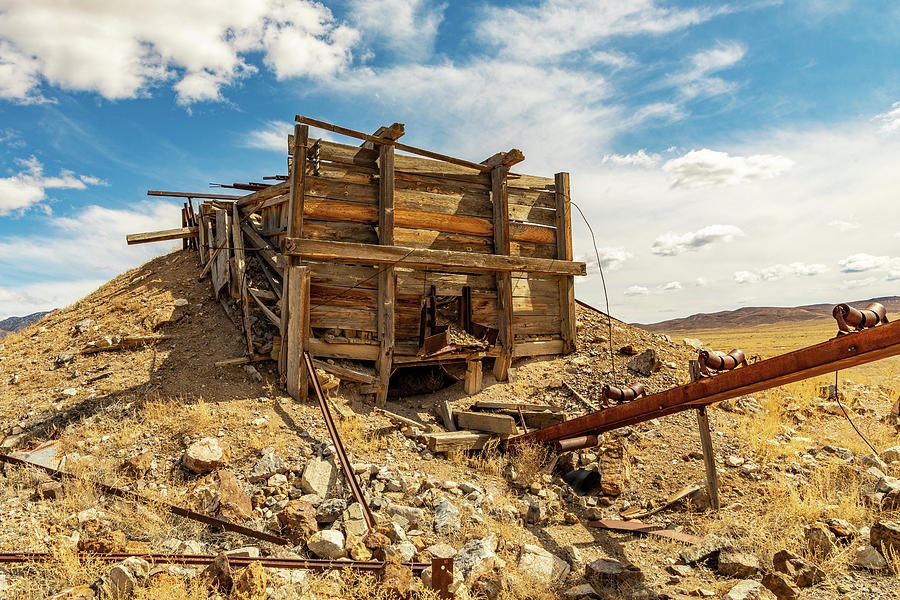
(836, 354)
(638, 527)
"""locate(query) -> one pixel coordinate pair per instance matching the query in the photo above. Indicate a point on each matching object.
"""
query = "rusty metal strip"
(638, 527)
(833, 355)
(338, 444)
(175, 510)
(442, 576)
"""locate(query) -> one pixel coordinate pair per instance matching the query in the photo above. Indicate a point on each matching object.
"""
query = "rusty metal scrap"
(718, 362)
(620, 395)
(859, 319)
(638, 527)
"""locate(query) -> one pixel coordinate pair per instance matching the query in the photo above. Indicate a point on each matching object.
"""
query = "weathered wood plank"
(297, 331)
(445, 412)
(220, 278)
(542, 348)
(343, 317)
(473, 381)
(263, 248)
(345, 373)
(497, 405)
(564, 252)
(325, 349)
(506, 338)
(161, 236)
(457, 440)
(503, 424)
(387, 283)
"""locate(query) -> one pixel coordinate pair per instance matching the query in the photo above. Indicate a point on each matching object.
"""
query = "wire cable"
(846, 414)
(612, 359)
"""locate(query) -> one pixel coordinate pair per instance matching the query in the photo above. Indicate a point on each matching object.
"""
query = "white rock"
(539, 562)
(867, 557)
(446, 517)
(130, 574)
(476, 558)
(318, 477)
(328, 544)
(206, 455)
(749, 590)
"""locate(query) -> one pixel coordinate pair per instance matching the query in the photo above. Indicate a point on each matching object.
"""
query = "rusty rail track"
(842, 352)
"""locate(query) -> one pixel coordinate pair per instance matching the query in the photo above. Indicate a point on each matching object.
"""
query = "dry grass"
(528, 460)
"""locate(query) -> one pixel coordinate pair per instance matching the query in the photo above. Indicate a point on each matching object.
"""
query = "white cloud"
(406, 27)
(701, 168)
(844, 226)
(672, 286)
(701, 282)
(273, 136)
(890, 121)
(121, 49)
(47, 295)
(779, 271)
(636, 290)
(673, 244)
(635, 159)
(28, 187)
(554, 28)
(697, 80)
(893, 275)
(857, 263)
(613, 258)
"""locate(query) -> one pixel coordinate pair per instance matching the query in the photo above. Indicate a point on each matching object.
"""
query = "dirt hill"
(760, 315)
(134, 417)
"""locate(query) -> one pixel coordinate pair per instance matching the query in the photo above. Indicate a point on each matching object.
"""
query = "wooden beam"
(294, 229)
(345, 373)
(240, 266)
(394, 132)
(266, 250)
(162, 236)
(486, 422)
(297, 330)
(387, 282)
(504, 159)
(193, 195)
(495, 405)
(473, 380)
(457, 440)
(373, 254)
(507, 337)
(275, 319)
(277, 189)
(709, 458)
(564, 252)
(385, 141)
(445, 411)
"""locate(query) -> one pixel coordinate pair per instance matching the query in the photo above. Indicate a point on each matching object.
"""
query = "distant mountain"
(14, 324)
(762, 315)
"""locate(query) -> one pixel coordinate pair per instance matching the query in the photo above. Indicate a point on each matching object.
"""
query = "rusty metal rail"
(338, 444)
(175, 510)
(843, 352)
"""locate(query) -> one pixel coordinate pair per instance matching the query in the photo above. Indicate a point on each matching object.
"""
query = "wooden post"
(297, 328)
(473, 377)
(564, 252)
(387, 282)
(240, 267)
(709, 458)
(506, 337)
(294, 229)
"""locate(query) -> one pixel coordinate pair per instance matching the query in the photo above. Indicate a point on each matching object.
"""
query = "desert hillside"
(802, 494)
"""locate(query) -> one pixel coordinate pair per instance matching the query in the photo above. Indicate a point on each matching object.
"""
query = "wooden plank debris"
(473, 379)
(346, 373)
(486, 422)
(445, 411)
(161, 236)
(457, 440)
(128, 342)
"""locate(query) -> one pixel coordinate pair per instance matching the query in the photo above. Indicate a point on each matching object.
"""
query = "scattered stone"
(70, 392)
(265, 467)
(799, 571)
(298, 520)
(734, 461)
(318, 477)
(584, 590)
(885, 537)
(220, 493)
(64, 358)
(891, 454)
(749, 590)
(49, 489)
(415, 516)
(611, 572)
(359, 552)
(401, 551)
(739, 565)
(645, 363)
(446, 517)
(396, 579)
(841, 528)
(124, 578)
(138, 465)
(780, 585)
(354, 522)
(83, 326)
(819, 539)
(542, 564)
(328, 544)
(330, 510)
(79, 592)
(708, 549)
(614, 469)
(206, 455)
(476, 557)
(251, 583)
(867, 557)
(441, 551)
(218, 573)
(252, 373)
(628, 350)
(111, 543)
(693, 343)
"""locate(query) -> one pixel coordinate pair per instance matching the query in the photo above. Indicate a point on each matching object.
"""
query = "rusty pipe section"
(718, 362)
(859, 319)
(577, 443)
(610, 394)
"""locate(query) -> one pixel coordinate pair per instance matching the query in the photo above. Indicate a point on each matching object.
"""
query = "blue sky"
(726, 154)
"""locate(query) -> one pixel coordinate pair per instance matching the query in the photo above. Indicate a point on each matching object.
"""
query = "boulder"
(330, 510)
(217, 574)
(396, 579)
(707, 549)
(354, 522)
(885, 537)
(749, 590)
(328, 544)
(646, 363)
(401, 552)
(446, 517)
(123, 579)
(415, 516)
(867, 557)
(220, 494)
(739, 565)
(270, 464)
(842, 528)
(628, 350)
(890, 455)
(206, 455)
(780, 585)
(693, 343)
(819, 539)
(251, 583)
(614, 470)
(441, 551)
(319, 476)
(542, 564)
(298, 520)
(611, 572)
(476, 557)
(799, 571)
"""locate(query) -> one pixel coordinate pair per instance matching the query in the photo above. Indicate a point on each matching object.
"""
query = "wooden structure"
(367, 254)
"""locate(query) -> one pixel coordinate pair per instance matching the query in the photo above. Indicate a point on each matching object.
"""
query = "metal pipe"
(719, 363)
(577, 443)
(624, 394)
(870, 316)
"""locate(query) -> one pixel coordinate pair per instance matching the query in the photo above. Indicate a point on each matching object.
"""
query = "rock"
(415, 516)
(614, 469)
(456, 581)
(111, 543)
(354, 522)
(628, 350)
(298, 520)
(568, 461)
(330, 510)
(265, 467)
(64, 358)
(885, 537)
(70, 392)
(739, 565)
(749, 590)
(542, 564)
(401, 551)
(49, 489)
(127, 576)
(799, 571)
(780, 585)
(359, 552)
(446, 517)
(138, 465)
(441, 551)
(867, 557)
(532, 510)
(887, 484)
(328, 544)
(693, 343)
(83, 326)
(318, 477)
(890, 455)
(218, 573)
(220, 494)
(734, 461)
(708, 549)
(611, 572)
(376, 542)
(79, 592)
(251, 583)
(205, 455)
(585, 590)
(841, 527)
(646, 363)
(819, 539)
(396, 579)
(476, 557)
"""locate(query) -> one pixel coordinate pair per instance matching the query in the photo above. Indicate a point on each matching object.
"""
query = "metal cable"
(846, 414)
